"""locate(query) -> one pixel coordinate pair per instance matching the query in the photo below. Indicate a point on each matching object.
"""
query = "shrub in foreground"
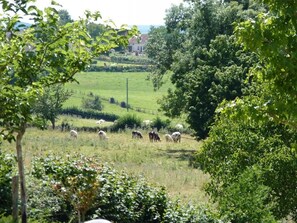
(115, 195)
(7, 163)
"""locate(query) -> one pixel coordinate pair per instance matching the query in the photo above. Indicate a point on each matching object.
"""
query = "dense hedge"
(89, 114)
(127, 59)
(119, 68)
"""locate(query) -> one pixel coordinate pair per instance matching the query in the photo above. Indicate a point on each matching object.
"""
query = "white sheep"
(147, 122)
(176, 136)
(73, 134)
(168, 138)
(100, 121)
(102, 135)
(179, 126)
(98, 221)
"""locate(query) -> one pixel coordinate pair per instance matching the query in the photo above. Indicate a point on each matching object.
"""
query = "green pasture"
(162, 164)
(141, 94)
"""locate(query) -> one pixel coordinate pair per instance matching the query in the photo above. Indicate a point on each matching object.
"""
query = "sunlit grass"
(162, 164)
(106, 85)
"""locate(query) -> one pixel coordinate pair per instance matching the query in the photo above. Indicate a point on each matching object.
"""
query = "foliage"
(119, 68)
(92, 102)
(207, 64)
(50, 102)
(89, 114)
(252, 165)
(165, 40)
(7, 163)
(119, 197)
(158, 123)
(272, 36)
(127, 121)
(64, 17)
(126, 59)
(43, 54)
(75, 181)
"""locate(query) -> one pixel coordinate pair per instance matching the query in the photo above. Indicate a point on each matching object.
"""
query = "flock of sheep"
(153, 136)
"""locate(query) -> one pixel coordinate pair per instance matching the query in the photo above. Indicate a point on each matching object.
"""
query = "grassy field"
(162, 163)
(107, 84)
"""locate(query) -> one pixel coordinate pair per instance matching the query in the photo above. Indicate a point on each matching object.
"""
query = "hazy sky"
(131, 12)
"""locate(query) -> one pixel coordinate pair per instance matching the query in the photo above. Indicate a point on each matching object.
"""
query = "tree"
(92, 102)
(254, 137)
(272, 36)
(49, 104)
(165, 40)
(208, 65)
(64, 17)
(44, 54)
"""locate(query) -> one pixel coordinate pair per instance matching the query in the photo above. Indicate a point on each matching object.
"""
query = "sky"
(129, 12)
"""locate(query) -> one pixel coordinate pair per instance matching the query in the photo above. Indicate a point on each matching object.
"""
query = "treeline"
(119, 68)
(89, 114)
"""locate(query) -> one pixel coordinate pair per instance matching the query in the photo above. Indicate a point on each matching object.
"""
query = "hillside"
(141, 96)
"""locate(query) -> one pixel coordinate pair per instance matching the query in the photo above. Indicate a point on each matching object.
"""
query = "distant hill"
(144, 29)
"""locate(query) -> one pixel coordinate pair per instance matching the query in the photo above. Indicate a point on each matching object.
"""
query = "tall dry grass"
(161, 163)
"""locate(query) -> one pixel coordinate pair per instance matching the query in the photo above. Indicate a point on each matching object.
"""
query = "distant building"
(137, 44)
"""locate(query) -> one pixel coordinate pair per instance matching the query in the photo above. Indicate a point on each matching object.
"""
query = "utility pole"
(127, 95)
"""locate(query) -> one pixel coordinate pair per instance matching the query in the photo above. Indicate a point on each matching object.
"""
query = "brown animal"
(154, 137)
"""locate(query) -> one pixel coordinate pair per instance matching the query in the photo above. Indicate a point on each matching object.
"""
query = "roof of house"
(142, 39)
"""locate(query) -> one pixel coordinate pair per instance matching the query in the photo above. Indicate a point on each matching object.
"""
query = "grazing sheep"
(179, 126)
(100, 121)
(147, 123)
(98, 221)
(168, 138)
(176, 136)
(73, 134)
(102, 135)
(154, 137)
(136, 135)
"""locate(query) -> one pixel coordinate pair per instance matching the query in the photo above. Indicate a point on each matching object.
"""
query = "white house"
(137, 44)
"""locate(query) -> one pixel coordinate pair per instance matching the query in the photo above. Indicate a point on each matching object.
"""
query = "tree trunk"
(53, 123)
(19, 138)
(15, 198)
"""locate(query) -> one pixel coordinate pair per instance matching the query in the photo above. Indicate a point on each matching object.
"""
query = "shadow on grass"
(181, 154)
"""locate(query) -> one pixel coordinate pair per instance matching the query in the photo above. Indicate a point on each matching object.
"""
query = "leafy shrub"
(111, 100)
(7, 163)
(123, 104)
(92, 103)
(116, 195)
(252, 166)
(158, 123)
(127, 121)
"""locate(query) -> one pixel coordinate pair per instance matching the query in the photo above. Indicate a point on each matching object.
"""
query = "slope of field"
(141, 95)
(162, 163)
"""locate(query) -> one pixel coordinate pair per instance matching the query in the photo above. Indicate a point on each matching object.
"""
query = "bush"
(116, 195)
(123, 104)
(127, 121)
(7, 163)
(92, 102)
(111, 100)
(158, 123)
(253, 167)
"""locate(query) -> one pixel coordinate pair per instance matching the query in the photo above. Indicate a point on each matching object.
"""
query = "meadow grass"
(161, 164)
(106, 85)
